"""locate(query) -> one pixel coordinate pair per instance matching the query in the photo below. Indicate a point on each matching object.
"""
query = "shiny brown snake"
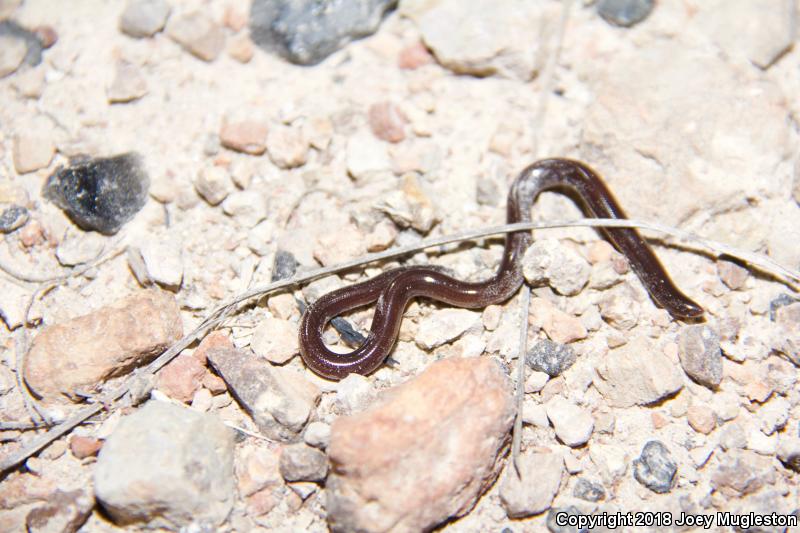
(392, 290)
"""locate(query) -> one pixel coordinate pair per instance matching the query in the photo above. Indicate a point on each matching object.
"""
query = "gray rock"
(550, 357)
(64, 511)
(279, 399)
(539, 483)
(300, 462)
(655, 468)
(588, 490)
(284, 266)
(12, 218)
(624, 12)
(32, 45)
(558, 515)
(317, 434)
(307, 31)
(198, 34)
(100, 194)
(562, 267)
(700, 354)
(779, 301)
(168, 466)
(144, 18)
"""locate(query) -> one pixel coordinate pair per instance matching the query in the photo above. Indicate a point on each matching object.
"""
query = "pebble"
(181, 378)
(700, 354)
(275, 340)
(603, 276)
(782, 300)
(12, 218)
(449, 423)
(558, 325)
(128, 84)
(443, 326)
(248, 208)
(241, 49)
(12, 54)
(533, 491)
(387, 122)
(485, 37)
(637, 374)
(762, 444)
(553, 520)
(547, 260)
(701, 418)
(536, 381)
(624, 13)
(116, 186)
(197, 34)
(163, 260)
(144, 18)
(257, 469)
(620, 310)
(740, 473)
(300, 462)
(589, 491)
(32, 42)
(213, 184)
(202, 400)
(80, 249)
(655, 468)
(214, 339)
(64, 511)
(287, 146)
(167, 466)
(79, 354)
(774, 415)
(788, 451)
(354, 393)
(284, 266)
(410, 206)
(732, 275)
(732, 437)
(381, 237)
(279, 399)
(32, 150)
(366, 156)
(573, 424)
(550, 357)
(414, 56)
(83, 447)
(304, 33)
(247, 136)
(317, 434)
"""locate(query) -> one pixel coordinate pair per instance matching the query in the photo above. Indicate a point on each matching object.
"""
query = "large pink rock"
(425, 452)
(78, 355)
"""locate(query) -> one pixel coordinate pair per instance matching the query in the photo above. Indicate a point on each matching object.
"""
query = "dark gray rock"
(300, 462)
(100, 194)
(33, 55)
(284, 266)
(307, 31)
(12, 218)
(550, 357)
(781, 300)
(589, 491)
(624, 12)
(655, 468)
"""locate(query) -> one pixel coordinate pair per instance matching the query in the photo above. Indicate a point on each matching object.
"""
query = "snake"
(391, 291)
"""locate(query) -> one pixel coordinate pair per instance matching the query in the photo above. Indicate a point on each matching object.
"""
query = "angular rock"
(532, 492)
(17, 46)
(12, 218)
(248, 136)
(287, 146)
(128, 84)
(740, 473)
(181, 378)
(32, 150)
(547, 260)
(589, 490)
(550, 357)
(731, 274)
(257, 468)
(12, 53)
(558, 325)
(83, 447)
(248, 208)
(144, 18)
(655, 468)
(300, 462)
(789, 451)
(167, 466)
(213, 184)
(387, 122)
(637, 374)
(701, 419)
(284, 266)
(197, 34)
(78, 355)
(700, 354)
(306, 32)
(354, 393)
(275, 340)
(443, 326)
(163, 259)
(280, 400)
(317, 434)
(485, 37)
(100, 194)
(573, 424)
(449, 426)
(624, 12)
(65, 511)
(619, 309)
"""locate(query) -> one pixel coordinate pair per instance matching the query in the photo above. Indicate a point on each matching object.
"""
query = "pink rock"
(197, 34)
(248, 136)
(414, 56)
(425, 452)
(83, 447)
(181, 378)
(78, 355)
(387, 122)
(215, 339)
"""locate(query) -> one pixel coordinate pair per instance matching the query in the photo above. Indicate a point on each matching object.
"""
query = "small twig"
(516, 438)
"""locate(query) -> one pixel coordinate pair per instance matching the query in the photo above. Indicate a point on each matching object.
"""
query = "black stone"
(655, 468)
(284, 266)
(550, 357)
(100, 194)
(624, 12)
(589, 491)
(12, 218)
(33, 55)
(307, 31)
